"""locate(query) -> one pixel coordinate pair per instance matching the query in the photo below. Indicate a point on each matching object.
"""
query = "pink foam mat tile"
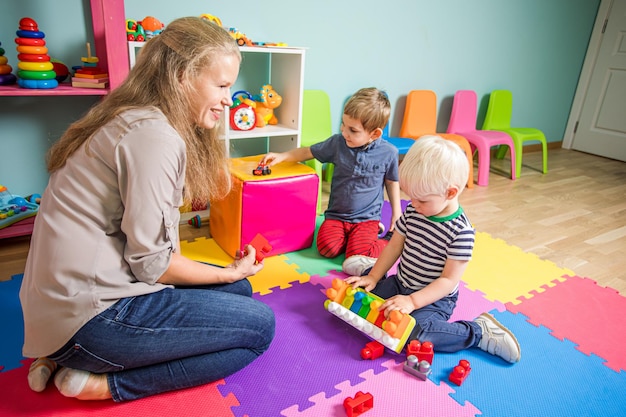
(418, 398)
(591, 316)
(17, 399)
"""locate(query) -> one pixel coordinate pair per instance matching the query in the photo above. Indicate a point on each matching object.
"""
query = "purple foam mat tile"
(385, 217)
(311, 353)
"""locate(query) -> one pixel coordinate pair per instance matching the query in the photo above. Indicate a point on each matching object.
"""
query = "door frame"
(585, 75)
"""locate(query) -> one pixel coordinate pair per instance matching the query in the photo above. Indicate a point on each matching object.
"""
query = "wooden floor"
(574, 216)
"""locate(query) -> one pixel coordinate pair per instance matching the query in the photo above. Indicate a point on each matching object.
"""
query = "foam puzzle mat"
(571, 330)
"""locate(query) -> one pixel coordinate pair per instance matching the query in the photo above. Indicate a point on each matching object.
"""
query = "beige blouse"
(106, 228)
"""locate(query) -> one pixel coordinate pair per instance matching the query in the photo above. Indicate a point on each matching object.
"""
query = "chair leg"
(484, 160)
(544, 149)
(514, 158)
(501, 151)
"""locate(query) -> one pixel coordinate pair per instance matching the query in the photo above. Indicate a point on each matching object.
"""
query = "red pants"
(335, 237)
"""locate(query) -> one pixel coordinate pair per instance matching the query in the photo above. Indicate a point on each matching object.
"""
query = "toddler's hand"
(367, 282)
(272, 158)
(402, 303)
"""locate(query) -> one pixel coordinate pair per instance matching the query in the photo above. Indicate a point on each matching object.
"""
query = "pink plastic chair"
(463, 122)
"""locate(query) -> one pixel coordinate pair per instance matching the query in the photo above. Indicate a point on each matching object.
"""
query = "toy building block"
(423, 351)
(460, 372)
(262, 246)
(417, 368)
(372, 350)
(361, 403)
(392, 332)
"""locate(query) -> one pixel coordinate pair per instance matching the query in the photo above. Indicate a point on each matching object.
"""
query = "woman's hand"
(246, 265)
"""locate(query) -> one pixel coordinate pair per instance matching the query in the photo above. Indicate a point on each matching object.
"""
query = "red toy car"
(262, 169)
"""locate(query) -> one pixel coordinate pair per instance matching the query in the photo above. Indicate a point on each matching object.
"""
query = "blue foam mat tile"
(552, 378)
(11, 324)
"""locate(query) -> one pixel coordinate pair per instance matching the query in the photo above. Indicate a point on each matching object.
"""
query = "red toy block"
(423, 351)
(460, 372)
(361, 403)
(262, 247)
(373, 350)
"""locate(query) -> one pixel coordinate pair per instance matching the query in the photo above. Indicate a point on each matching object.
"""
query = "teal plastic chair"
(316, 127)
(498, 117)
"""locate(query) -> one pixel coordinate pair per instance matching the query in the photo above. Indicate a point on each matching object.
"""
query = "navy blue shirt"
(357, 188)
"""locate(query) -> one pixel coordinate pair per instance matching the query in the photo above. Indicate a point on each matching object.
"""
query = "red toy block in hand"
(423, 351)
(262, 246)
(361, 403)
(460, 372)
(373, 350)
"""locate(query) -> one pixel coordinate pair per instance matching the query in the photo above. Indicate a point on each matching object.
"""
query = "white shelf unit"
(283, 68)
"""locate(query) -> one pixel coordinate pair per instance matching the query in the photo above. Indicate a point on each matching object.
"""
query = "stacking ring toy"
(37, 83)
(30, 41)
(7, 79)
(35, 66)
(32, 58)
(31, 34)
(38, 50)
(5, 69)
(37, 75)
(3, 59)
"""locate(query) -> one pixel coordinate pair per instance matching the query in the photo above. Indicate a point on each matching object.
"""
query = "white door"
(600, 125)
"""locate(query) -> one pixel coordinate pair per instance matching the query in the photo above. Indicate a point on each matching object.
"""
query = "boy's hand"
(367, 282)
(402, 303)
(272, 158)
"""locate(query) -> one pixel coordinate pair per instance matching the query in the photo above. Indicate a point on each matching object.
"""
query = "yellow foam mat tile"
(277, 272)
(504, 272)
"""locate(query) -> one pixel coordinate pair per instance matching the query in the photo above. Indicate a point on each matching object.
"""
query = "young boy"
(434, 240)
(364, 163)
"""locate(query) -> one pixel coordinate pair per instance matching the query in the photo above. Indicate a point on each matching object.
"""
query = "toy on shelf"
(35, 69)
(242, 112)
(6, 78)
(134, 31)
(240, 38)
(417, 368)
(14, 208)
(211, 18)
(358, 405)
(262, 247)
(360, 309)
(372, 350)
(195, 221)
(60, 69)
(151, 26)
(423, 351)
(266, 102)
(90, 75)
(460, 372)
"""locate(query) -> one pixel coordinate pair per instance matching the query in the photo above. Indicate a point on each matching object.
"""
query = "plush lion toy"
(266, 102)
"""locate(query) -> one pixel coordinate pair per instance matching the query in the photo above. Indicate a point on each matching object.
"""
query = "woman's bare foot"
(82, 385)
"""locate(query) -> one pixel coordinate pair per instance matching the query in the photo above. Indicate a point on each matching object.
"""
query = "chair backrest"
(420, 114)
(499, 110)
(463, 114)
(316, 117)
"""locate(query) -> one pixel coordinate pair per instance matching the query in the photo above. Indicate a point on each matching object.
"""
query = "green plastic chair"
(498, 118)
(316, 127)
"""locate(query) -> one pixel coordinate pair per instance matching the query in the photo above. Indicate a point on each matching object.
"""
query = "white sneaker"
(356, 264)
(497, 339)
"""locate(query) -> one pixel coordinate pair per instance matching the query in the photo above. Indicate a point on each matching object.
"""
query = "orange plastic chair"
(498, 117)
(420, 118)
(463, 122)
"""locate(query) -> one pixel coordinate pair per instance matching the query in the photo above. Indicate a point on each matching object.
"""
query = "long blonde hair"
(161, 78)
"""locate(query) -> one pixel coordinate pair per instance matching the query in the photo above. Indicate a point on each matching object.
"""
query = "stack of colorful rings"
(35, 68)
(6, 78)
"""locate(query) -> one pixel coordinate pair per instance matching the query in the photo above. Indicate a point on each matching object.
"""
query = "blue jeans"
(173, 339)
(431, 321)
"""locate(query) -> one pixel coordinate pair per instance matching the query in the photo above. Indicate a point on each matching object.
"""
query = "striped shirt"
(429, 243)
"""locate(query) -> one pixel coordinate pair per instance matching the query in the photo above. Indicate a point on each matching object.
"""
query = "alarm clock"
(242, 114)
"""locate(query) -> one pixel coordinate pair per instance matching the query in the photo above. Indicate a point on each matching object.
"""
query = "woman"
(106, 293)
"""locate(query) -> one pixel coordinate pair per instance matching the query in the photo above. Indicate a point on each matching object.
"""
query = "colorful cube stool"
(280, 206)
